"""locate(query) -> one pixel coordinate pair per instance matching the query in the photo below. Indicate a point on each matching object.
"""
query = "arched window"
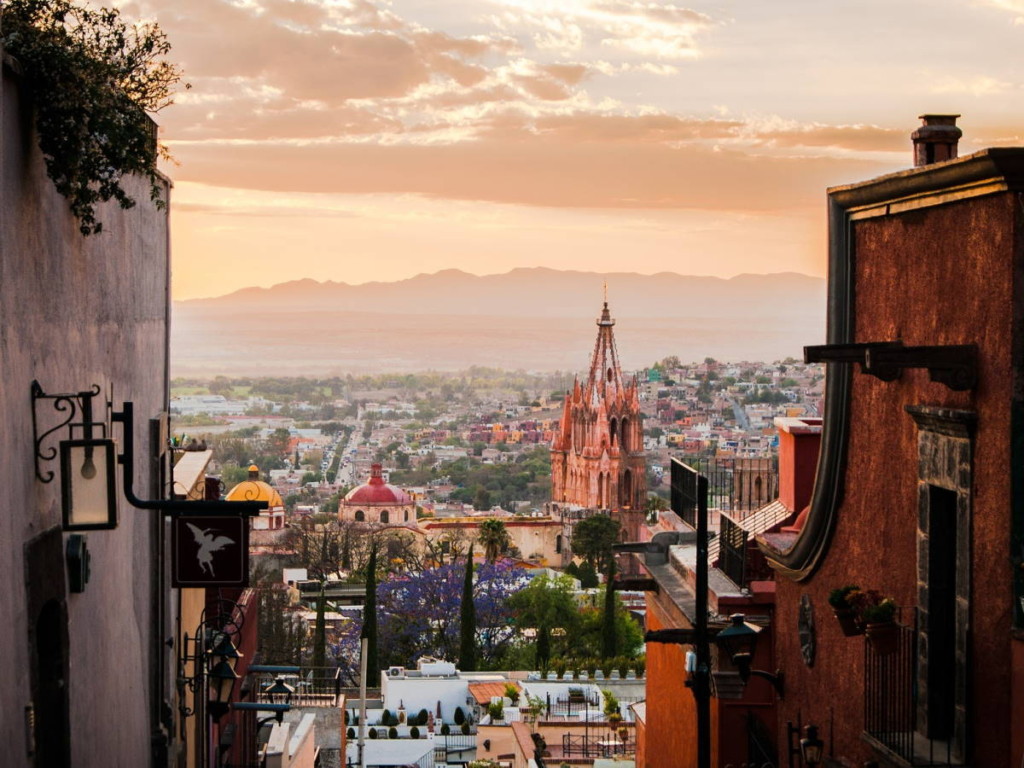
(558, 544)
(626, 497)
(360, 516)
(612, 428)
(384, 516)
(627, 444)
(407, 515)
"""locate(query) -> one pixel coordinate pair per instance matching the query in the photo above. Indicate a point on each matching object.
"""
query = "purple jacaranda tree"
(418, 615)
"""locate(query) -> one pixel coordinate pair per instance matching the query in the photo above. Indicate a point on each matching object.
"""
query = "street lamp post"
(701, 680)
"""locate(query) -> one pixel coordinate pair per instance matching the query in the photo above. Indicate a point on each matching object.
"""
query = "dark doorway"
(941, 607)
(51, 701)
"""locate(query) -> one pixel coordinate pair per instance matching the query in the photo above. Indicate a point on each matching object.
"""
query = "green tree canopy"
(592, 539)
(93, 78)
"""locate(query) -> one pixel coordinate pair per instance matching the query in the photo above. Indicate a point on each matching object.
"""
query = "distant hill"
(535, 319)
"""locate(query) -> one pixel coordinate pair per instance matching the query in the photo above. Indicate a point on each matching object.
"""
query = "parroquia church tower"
(597, 456)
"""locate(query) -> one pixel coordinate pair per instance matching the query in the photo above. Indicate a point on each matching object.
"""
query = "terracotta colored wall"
(671, 714)
(798, 456)
(640, 759)
(937, 276)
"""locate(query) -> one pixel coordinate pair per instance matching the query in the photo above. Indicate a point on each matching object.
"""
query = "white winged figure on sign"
(208, 544)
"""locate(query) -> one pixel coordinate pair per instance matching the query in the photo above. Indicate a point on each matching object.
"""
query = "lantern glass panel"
(738, 637)
(222, 680)
(88, 493)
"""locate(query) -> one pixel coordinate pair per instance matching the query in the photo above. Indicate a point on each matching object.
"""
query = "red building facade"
(597, 456)
(918, 491)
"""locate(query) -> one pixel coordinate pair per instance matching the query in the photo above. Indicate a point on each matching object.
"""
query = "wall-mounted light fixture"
(87, 462)
(212, 654)
(88, 484)
(89, 459)
(739, 640)
(811, 747)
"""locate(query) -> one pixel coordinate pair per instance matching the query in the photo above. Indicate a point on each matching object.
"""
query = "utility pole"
(363, 643)
(701, 682)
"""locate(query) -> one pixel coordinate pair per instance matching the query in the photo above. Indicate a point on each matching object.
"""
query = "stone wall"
(77, 312)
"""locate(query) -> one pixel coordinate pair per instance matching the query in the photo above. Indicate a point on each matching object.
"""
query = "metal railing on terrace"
(735, 485)
(732, 549)
(602, 742)
(314, 686)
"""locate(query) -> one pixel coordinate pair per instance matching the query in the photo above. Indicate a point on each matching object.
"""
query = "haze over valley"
(534, 319)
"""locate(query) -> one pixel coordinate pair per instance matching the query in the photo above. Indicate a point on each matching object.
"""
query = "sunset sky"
(354, 140)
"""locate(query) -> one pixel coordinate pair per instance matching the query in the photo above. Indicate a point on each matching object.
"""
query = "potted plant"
(877, 614)
(839, 599)
(512, 693)
(496, 710)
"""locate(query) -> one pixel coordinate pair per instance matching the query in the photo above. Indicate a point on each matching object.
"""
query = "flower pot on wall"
(848, 622)
(884, 637)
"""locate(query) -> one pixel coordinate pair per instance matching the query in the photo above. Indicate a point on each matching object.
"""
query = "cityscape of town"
(425, 467)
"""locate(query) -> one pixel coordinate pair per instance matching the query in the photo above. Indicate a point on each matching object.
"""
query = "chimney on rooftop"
(936, 140)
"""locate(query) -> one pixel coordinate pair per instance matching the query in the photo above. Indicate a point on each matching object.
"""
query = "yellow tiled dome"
(254, 489)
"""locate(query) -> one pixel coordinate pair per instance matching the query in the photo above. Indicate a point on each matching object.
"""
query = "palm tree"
(494, 538)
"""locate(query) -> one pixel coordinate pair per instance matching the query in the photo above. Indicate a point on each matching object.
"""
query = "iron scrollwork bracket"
(69, 405)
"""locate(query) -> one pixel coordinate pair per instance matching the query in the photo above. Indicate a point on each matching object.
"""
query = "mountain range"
(529, 318)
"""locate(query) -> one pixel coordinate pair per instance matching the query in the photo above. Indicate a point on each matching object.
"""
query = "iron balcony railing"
(735, 485)
(313, 686)
(891, 702)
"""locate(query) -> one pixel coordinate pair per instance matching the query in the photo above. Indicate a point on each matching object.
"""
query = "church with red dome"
(377, 502)
(597, 455)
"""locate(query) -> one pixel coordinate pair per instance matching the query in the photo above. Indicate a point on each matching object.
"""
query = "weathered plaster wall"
(937, 276)
(74, 312)
(671, 729)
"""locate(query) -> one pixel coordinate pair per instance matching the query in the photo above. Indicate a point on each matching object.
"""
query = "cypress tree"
(467, 627)
(608, 624)
(543, 650)
(369, 630)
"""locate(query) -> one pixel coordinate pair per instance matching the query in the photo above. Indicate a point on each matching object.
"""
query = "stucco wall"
(938, 276)
(75, 312)
(671, 728)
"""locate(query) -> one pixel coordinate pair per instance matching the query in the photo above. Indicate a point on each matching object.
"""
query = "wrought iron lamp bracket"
(228, 622)
(954, 365)
(68, 406)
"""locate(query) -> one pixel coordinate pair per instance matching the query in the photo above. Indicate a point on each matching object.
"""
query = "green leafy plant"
(512, 692)
(611, 705)
(92, 78)
(838, 598)
(392, 732)
(496, 710)
(465, 729)
(414, 732)
(445, 729)
(872, 606)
